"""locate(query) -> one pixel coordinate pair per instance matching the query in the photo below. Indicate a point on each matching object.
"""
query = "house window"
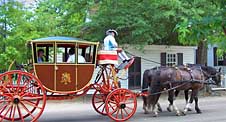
(171, 59)
(220, 60)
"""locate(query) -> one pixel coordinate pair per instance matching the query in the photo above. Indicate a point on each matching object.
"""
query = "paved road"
(213, 108)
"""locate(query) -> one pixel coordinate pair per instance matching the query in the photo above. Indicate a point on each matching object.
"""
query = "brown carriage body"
(63, 77)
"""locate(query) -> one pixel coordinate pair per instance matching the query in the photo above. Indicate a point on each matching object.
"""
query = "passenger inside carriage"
(41, 56)
(71, 58)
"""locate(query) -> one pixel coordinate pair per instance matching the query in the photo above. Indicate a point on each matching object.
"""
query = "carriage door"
(44, 64)
(86, 63)
(65, 67)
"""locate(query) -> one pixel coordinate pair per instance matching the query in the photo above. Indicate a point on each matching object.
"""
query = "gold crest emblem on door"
(65, 78)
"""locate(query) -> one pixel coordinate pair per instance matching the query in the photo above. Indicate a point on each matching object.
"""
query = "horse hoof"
(199, 112)
(168, 109)
(189, 109)
(155, 115)
(159, 109)
(146, 112)
(178, 114)
(183, 113)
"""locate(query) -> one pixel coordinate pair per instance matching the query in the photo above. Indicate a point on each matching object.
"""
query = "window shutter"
(215, 56)
(180, 59)
(163, 59)
(224, 63)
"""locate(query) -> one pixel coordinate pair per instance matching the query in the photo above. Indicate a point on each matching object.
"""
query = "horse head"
(218, 77)
(213, 73)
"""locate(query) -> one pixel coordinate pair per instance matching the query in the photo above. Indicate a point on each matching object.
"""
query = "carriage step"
(218, 89)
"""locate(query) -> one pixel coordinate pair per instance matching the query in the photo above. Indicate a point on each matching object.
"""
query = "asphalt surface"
(213, 110)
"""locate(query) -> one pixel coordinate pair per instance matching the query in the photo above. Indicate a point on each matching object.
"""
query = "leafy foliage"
(141, 22)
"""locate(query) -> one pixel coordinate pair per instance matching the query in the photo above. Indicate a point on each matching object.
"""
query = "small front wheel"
(98, 102)
(122, 104)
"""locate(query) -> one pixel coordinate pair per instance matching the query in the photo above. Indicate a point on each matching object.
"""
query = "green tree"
(202, 25)
(15, 30)
(57, 17)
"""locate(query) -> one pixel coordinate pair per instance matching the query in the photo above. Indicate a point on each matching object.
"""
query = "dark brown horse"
(180, 79)
(147, 79)
(161, 74)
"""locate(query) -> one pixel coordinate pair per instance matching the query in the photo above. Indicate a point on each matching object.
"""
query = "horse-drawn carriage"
(23, 94)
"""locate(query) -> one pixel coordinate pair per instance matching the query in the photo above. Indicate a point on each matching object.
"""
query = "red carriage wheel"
(121, 105)
(98, 102)
(21, 96)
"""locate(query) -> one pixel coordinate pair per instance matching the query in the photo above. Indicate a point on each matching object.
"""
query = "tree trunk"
(202, 53)
(202, 59)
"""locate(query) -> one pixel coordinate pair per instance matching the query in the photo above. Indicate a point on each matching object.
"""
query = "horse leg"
(159, 107)
(170, 107)
(173, 105)
(170, 99)
(186, 98)
(188, 105)
(152, 104)
(176, 93)
(145, 105)
(196, 104)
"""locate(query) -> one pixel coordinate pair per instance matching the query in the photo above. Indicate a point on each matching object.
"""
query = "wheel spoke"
(113, 102)
(3, 108)
(98, 101)
(18, 82)
(27, 89)
(129, 108)
(25, 108)
(26, 83)
(128, 97)
(20, 114)
(126, 112)
(112, 107)
(1, 101)
(131, 102)
(100, 105)
(10, 114)
(31, 104)
(14, 111)
(122, 113)
(117, 113)
(103, 109)
(2, 118)
(116, 98)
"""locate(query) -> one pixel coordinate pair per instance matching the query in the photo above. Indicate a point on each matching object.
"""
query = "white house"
(156, 55)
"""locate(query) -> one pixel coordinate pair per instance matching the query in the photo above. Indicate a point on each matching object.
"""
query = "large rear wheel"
(21, 96)
(121, 105)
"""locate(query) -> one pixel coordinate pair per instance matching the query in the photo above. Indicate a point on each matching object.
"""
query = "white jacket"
(110, 43)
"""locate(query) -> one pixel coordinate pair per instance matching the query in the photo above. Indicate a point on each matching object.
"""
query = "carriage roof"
(62, 39)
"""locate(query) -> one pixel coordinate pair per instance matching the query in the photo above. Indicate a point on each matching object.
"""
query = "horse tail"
(145, 81)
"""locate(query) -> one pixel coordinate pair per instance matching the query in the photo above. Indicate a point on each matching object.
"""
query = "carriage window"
(86, 53)
(171, 59)
(65, 53)
(44, 53)
(81, 54)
